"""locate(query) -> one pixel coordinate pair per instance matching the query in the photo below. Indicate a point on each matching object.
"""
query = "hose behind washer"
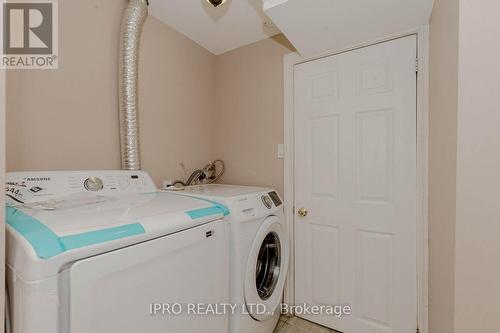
(197, 174)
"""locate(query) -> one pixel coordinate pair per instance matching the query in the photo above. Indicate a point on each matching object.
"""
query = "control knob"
(267, 201)
(93, 184)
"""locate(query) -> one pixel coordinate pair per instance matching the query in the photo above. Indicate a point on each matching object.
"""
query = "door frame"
(422, 112)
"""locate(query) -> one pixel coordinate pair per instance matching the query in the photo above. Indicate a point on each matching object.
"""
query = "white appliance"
(259, 253)
(100, 251)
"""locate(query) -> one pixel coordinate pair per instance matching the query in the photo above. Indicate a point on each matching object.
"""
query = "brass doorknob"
(302, 212)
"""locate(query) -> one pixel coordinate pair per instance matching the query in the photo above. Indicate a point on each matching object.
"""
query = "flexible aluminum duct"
(131, 28)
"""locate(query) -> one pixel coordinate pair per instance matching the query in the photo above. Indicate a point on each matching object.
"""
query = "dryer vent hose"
(131, 28)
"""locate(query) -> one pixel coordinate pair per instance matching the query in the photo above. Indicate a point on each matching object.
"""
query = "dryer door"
(266, 270)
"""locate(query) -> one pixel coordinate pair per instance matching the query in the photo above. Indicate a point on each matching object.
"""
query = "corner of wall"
(443, 94)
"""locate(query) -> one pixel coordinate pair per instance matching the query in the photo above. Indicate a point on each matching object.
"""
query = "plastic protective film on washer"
(19, 195)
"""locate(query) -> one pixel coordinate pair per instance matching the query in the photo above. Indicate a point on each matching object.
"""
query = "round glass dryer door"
(266, 270)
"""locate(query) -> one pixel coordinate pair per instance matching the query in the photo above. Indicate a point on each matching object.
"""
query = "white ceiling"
(229, 26)
(321, 25)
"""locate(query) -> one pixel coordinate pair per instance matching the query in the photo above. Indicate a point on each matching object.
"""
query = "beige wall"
(68, 118)
(442, 163)
(477, 287)
(249, 112)
(464, 167)
(176, 102)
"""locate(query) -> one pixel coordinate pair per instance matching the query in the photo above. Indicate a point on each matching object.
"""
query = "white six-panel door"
(355, 174)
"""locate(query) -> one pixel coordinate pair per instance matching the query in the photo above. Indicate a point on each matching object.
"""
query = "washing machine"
(105, 252)
(259, 253)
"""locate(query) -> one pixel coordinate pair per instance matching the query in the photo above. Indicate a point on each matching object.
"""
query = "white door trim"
(293, 59)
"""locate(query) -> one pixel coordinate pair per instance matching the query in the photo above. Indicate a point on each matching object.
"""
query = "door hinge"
(416, 65)
(418, 330)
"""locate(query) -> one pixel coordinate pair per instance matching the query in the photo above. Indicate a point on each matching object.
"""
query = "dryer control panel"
(255, 206)
(45, 185)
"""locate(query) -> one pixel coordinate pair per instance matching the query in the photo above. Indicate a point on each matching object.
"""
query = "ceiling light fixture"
(216, 3)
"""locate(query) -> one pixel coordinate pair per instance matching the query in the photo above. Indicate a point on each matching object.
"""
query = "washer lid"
(76, 224)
